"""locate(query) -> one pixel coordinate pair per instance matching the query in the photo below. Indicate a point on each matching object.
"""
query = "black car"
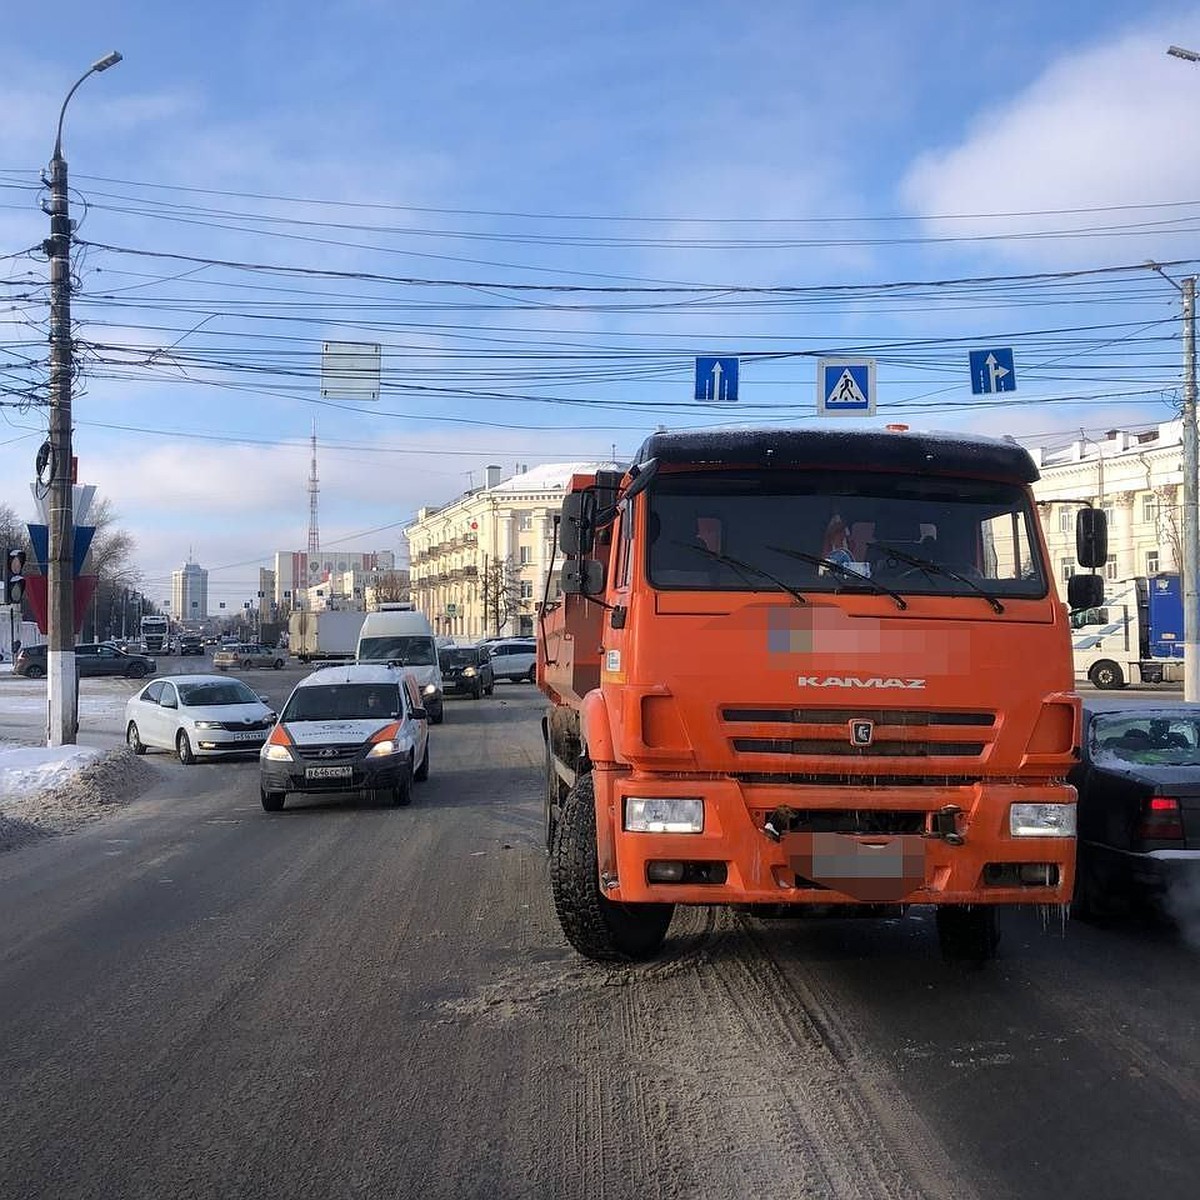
(1139, 808)
(466, 670)
(91, 659)
(191, 643)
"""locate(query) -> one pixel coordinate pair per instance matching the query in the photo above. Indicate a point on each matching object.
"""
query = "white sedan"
(197, 716)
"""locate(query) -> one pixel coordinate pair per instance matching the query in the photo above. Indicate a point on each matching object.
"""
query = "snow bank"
(25, 770)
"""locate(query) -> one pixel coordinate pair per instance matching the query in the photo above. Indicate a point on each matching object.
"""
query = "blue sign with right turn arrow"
(992, 371)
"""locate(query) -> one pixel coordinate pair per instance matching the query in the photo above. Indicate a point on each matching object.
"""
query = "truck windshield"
(414, 650)
(971, 536)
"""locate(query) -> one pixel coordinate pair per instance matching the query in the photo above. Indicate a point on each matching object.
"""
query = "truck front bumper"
(830, 854)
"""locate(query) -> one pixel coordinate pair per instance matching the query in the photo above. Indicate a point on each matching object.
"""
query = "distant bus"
(156, 634)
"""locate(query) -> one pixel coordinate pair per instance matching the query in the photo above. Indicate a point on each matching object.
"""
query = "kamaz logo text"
(853, 681)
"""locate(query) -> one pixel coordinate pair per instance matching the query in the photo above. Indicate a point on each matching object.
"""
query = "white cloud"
(1112, 124)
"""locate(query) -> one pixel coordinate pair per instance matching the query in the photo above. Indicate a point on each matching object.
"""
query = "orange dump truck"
(817, 669)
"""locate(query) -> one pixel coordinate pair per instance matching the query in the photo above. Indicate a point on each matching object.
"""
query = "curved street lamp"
(62, 696)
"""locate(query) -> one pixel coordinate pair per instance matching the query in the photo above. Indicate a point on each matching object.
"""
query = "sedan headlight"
(208, 724)
(1041, 820)
(430, 689)
(674, 814)
(381, 748)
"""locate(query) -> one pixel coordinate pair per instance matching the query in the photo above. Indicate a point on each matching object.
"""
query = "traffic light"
(14, 576)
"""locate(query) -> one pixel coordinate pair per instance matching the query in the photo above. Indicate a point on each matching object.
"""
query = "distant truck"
(324, 636)
(268, 633)
(156, 634)
(1135, 636)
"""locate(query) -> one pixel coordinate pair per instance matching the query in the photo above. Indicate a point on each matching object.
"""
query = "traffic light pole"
(61, 685)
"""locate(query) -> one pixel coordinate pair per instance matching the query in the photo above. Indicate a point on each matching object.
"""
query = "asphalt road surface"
(198, 999)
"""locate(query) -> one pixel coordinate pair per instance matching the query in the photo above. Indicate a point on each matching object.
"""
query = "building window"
(1110, 569)
(525, 524)
(1149, 507)
(523, 556)
(1066, 568)
(1151, 562)
(526, 589)
(1066, 520)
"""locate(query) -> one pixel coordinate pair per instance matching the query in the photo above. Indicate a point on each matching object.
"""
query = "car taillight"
(1162, 820)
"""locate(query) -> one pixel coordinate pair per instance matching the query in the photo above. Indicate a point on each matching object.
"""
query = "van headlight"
(430, 689)
(276, 752)
(381, 748)
(1041, 820)
(664, 814)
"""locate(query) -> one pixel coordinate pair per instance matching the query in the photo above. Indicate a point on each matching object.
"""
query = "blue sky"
(477, 156)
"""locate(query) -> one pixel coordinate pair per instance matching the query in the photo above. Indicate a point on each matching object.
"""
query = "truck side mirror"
(1085, 591)
(1091, 537)
(583, 577)
(577, 524)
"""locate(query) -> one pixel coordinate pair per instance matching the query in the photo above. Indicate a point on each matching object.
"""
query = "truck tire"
(597, 927)
(1106, 674)
(968, 933)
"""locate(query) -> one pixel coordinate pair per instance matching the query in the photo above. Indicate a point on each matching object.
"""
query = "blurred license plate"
(252, 735)
(868, 868)
(328, 772)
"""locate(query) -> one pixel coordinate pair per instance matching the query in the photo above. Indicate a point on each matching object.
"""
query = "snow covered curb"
(28, 769)
(110, 780)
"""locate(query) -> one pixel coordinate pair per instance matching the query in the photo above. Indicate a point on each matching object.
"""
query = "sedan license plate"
(328, 772)
(248, 735)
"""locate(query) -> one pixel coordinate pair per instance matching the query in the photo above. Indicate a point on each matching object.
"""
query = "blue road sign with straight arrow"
(717, 380)
(992, 371)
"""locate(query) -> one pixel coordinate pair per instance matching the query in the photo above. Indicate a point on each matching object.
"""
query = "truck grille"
(825, 732)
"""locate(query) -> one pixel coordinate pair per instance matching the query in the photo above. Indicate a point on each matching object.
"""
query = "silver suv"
(514, 659)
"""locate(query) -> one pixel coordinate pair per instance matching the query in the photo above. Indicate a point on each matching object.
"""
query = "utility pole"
(62, 683)
(1191, 511)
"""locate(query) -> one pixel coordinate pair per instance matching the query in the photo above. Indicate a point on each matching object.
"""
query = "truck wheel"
(968, 933)
(1106, 674)
(597, 927)
(1091, 902)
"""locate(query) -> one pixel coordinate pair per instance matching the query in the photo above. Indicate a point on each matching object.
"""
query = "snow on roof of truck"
(837, 447)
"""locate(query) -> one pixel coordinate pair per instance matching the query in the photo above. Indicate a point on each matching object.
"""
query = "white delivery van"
(404, 637)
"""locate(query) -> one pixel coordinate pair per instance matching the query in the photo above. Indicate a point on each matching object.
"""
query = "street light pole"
(61, 682)
(1191, 511)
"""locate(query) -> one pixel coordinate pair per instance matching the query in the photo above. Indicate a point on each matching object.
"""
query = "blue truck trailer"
(1135, 636)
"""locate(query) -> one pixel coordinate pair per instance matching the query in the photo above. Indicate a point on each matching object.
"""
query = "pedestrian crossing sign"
(846, 387)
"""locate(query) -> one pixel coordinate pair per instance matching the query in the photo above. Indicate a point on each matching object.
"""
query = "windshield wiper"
(740, 567)
(845, 572)
(933, 568)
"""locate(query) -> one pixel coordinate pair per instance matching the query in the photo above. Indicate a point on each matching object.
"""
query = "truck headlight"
(1041, 820)
(664, 814)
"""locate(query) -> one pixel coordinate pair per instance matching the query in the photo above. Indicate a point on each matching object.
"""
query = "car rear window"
(1146, 739)
(463, 657)
(343, 702)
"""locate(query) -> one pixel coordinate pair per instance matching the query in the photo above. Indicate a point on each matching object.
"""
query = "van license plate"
(328, 772)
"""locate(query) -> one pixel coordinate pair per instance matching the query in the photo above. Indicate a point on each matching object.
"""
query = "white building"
(479, 564)
(189, 593)
(295, 572)
(1137, 478)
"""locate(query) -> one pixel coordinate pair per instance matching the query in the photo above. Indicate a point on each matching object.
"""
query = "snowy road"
(200, 999)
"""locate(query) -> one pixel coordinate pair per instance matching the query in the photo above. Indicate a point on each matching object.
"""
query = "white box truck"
(324, 635)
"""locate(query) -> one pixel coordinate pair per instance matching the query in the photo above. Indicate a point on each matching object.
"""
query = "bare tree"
(1169, 522)
(501, 586)
(391, 588)
(13, 534)
(111, 560)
